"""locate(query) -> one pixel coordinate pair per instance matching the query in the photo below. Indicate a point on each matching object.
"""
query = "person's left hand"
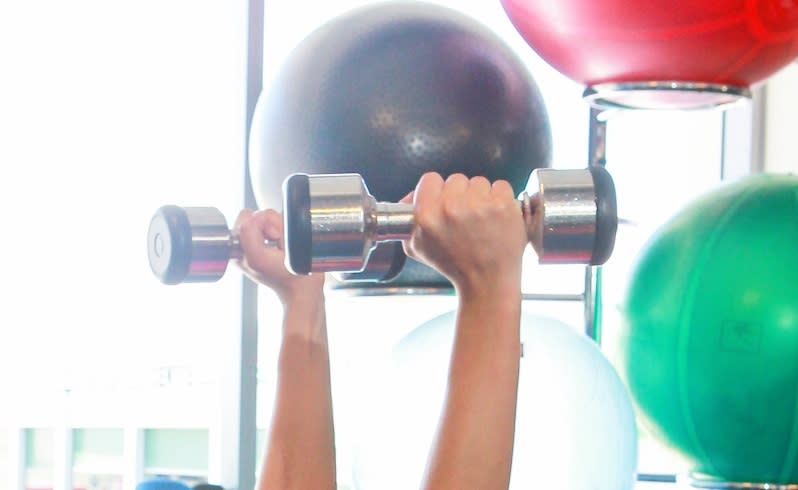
(266, 265)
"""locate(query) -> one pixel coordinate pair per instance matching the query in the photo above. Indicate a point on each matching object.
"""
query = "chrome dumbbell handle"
(333, 223)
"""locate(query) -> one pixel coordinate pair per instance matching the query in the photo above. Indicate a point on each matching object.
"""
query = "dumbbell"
(333, 224)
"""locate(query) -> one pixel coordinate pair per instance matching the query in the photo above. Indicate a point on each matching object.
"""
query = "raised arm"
(473, 233)
(300, 451)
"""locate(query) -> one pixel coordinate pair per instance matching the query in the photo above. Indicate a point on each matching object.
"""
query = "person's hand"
(266, 265)
(470, 230)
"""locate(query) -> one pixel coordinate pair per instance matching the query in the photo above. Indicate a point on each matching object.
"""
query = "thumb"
(408, 199)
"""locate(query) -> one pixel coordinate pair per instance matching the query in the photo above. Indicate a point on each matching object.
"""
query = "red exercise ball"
(720, 42)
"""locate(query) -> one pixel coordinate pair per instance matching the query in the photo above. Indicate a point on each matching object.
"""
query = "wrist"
(497, 289)
(301, 292)
(494, 305)
(304, 309)
(304, 316)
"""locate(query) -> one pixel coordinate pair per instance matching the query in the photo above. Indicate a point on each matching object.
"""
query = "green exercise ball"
(709, 348)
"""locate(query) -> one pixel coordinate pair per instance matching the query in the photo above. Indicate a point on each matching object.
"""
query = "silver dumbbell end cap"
(188, 244)
(169, 244)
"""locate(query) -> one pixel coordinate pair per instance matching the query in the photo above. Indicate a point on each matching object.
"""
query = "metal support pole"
(249, 297)
(597, 155)
(133, 451)
(743, 137)
(597, 145)
(239, 402)
(62, 457)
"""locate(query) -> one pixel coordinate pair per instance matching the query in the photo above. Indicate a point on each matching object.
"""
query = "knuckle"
(457, 177)
(452, 209)
(431, 178)
(502, 186)
(243, 216)
(423, 221)
(480, 181)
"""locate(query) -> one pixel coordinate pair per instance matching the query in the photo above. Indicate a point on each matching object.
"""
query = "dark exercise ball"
(391, 91)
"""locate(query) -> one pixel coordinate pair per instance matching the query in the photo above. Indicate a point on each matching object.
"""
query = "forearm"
(474, 446)
(301, 450)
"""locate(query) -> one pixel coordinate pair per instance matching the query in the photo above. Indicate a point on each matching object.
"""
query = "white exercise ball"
(575, 426)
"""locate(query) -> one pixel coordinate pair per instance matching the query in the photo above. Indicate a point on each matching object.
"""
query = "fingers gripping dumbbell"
(333, 223)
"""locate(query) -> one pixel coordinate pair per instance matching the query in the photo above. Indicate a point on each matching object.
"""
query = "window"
(107, 125)
(111, 110)
(39, 458)
(97, 459)
(176, 453)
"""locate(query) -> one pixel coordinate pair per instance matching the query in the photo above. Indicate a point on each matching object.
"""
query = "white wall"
(781, 121)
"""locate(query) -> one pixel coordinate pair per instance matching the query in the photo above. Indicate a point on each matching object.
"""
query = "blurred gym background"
(111, 109)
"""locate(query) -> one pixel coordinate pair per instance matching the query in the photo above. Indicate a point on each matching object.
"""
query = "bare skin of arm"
(473, 233)
(300, 451)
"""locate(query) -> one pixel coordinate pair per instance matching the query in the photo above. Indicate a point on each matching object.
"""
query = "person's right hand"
(469, 230)
(266, 265)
